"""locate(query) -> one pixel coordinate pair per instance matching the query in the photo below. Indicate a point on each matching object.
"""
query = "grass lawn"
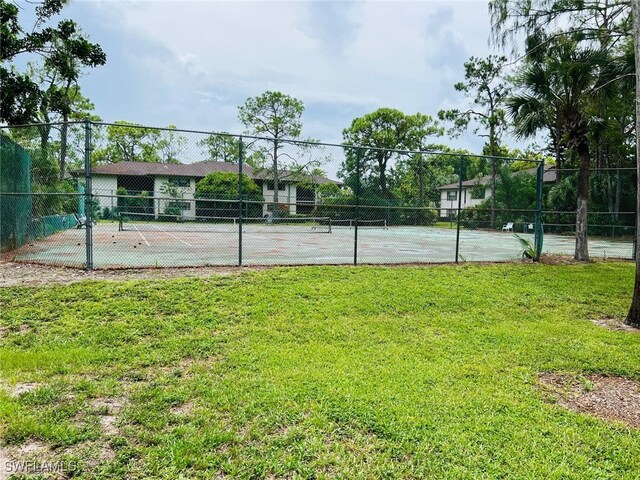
(445, 225)
(319, 372)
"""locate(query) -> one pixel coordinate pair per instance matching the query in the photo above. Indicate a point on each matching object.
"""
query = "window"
(179, 205)
(180, 181)
(452, 195)
(281, 186)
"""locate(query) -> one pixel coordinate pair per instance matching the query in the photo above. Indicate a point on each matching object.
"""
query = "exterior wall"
(286, 196)
(448, 205)
(162, 201)
(104, 187)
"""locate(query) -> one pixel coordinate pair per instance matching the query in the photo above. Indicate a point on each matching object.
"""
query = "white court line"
(145, 240)
(167, 233)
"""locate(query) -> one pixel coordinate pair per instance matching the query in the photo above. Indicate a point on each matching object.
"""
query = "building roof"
(198, 170)
(139, 169)
(548, 176)
(293, 177)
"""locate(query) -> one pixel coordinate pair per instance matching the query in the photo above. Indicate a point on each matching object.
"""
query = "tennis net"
(351, 222)
(129, 221)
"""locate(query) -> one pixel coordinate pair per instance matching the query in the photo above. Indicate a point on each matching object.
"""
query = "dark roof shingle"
(198, 170)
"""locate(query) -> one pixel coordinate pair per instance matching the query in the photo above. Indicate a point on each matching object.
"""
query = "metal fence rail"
(98, 195)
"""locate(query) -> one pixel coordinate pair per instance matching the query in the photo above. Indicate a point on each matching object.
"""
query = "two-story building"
(166, 185)
(476, 191)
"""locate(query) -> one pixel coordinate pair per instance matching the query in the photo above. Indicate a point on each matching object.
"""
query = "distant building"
(297, 192)
(476, 191)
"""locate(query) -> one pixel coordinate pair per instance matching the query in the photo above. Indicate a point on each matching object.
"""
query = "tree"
(603, 22)
(62, 101)
(278, 117)
(224, 147)
(633, 317)
(219, 194)
(385, 132)
(593, 20)
(64, 49)
(579, 31)
(128, 142)
(515, 198)
(558, 87)
(169, 145)
(485, 88)
(424, 174)
(221, 147)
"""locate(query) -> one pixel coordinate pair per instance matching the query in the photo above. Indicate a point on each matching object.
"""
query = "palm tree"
(558, 85)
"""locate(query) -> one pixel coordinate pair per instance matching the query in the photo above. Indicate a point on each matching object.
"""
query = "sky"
(192, 63)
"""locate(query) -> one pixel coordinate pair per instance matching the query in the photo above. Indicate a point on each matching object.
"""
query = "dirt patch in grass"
(25, 274)
(108, 410)
(549, 259)
(614, 323)
(604, 397)
(33, 447)
(5, 462)
(20, 388)
(12, 459)
(183, 409)
(21, 330)
(33, 274)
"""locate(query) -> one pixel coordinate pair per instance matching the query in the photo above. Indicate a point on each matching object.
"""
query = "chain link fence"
(98, 195)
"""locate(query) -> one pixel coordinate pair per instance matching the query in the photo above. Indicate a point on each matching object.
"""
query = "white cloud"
(342, 59)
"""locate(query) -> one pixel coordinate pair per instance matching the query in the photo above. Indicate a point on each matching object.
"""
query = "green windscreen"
(15, 198)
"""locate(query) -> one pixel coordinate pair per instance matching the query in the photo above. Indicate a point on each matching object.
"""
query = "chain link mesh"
(168, 198)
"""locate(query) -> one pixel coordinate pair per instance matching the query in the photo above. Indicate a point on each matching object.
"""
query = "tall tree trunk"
(43, 155)
(633, 317)
(558, 157)
(610, 199)
(44, 130)
(582, 149)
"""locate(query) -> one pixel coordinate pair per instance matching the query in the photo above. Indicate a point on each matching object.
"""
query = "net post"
(537, 241)
(357, 212)
(240, 159)
(461, 166)
(88, 196)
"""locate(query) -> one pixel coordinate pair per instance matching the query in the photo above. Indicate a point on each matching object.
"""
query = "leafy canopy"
(225, 185)
(486, 90)
(273, 114)
(386, 131)
(63, 47)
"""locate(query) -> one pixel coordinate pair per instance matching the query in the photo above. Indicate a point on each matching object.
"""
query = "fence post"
(461, 166)
(357, 212)
(240, 159)
(88, 196)
(537, 241)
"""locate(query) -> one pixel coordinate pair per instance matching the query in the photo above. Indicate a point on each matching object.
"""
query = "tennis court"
(308, 241)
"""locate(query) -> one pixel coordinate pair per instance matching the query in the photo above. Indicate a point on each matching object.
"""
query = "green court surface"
(166, 245)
